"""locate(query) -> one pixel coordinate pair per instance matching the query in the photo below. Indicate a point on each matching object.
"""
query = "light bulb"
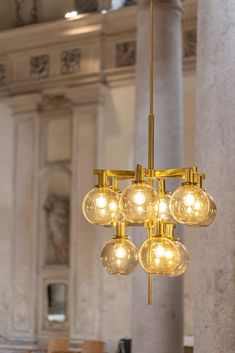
(119, 257)
(159, 255)
(120, 252)
(189, 199)
(101, 201)
(137, 203)
(189, 205)
(101, 206)
(184, 259)
(162, 209)
(139, 197)
(71, 14)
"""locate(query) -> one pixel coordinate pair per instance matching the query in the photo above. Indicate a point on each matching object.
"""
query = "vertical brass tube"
(151, 55)
(121, 229)
(102, 179)
(151, 142)
(151, 80)
(150, 277)
(161, 186)
(150, 289)
(140, 173)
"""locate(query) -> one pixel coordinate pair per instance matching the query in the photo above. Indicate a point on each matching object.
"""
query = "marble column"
(158, 328)
(85, 269)
(215, 151)
(24, 233)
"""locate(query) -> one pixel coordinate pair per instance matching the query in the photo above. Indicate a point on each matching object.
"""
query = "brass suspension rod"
(151, 80)
(151, 120)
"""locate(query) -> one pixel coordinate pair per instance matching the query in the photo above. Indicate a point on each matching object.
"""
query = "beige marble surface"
(215, 145)
(159, 327)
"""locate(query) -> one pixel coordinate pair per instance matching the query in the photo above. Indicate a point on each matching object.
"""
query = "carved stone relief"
(70, 61)
(54, 102)
(34, 16)
(190, 43)
(26, 12)
(2, 74)
(19, 7)
(39, 66)
(86, 6)
(57, 213)
(125, 54)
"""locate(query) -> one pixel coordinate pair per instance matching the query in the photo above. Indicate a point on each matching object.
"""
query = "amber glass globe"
(163, 210)
(119, 257)
(138, 202)
(101, 206)
(159, 255)
(211, 215)
(189, 205)
(184, 259)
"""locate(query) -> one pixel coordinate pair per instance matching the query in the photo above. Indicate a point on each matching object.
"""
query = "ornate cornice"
(90, 50)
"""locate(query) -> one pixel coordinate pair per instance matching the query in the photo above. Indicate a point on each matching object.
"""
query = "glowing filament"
(139, 198)
(101, 202)
(120, 252)
(189, 200)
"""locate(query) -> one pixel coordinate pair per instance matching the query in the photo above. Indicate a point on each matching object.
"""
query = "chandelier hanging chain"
(149, 206)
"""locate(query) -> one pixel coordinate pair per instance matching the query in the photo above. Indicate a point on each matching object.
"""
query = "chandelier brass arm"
(188, 174)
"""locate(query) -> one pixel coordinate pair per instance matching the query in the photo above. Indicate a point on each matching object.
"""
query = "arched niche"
(54, 217)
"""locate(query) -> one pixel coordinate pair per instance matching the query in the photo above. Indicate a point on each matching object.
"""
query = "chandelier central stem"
(151, 114)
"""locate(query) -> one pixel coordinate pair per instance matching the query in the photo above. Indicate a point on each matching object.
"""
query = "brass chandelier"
(146, 203)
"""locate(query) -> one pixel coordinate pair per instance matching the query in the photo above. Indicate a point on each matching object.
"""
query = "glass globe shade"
(211, 215)
(101, 206)
(159, 255)
(189, 205)
(163, 210)
(119, 257)
(184, 259)
(138, 202)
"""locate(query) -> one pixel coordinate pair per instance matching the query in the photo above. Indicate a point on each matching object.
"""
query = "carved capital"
(54, 102)
(162, 4)
(23, 104)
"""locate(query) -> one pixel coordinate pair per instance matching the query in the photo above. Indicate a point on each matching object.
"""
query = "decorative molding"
(34, 15)
(190, 43)
(2, 74)
(70, 61)
(26, 12)
(189, 21)
(50, 62)
(86, 6)
(39, 66)
(54, 102)
(19, 5)
(125, 54)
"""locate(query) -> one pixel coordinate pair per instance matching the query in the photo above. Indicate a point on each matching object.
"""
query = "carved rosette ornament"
(39, 66)
(125, 54)
(70, 61)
